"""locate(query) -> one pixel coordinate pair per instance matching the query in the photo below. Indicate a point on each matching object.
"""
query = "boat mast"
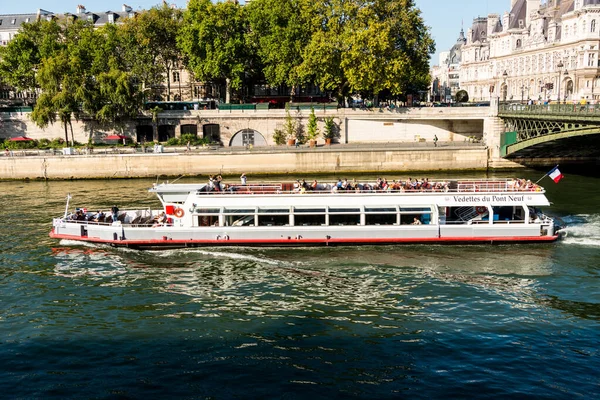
(67, 206)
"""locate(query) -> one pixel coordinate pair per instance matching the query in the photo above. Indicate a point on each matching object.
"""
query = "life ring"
(480, 209)
(179, 212)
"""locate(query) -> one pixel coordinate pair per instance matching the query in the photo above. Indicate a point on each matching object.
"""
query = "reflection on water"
(416, 321)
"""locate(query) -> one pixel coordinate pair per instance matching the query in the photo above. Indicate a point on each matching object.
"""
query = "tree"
(462, 96)
(280, 31)
(213, 43)
(21, 58)
(368, 47)
(149, 45)
(312, 127)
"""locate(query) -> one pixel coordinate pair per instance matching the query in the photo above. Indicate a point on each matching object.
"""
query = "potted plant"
(289, 126)
(312, 128)
(329, 130)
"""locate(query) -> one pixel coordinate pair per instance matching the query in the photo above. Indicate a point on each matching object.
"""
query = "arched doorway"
(248, 137)
(568, 89)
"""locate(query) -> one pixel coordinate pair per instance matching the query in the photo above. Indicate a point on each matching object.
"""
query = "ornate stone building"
(445, 76)
(539, 50)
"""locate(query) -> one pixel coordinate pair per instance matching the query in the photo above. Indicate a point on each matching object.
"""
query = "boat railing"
(452, 186)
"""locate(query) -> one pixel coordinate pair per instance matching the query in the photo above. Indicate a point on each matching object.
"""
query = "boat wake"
(218, 254)
(582, 230)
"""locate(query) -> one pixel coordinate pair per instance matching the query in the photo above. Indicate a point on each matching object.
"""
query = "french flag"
(555, 174)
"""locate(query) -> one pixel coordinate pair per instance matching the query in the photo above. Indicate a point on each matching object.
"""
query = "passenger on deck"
(243, 179)
(115, 212)
(98, 217)
(159, 219)
(314, 185)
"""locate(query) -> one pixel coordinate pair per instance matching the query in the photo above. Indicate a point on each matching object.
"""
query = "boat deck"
(348, 187)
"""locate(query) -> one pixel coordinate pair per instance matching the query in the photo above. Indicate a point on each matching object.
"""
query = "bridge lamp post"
(504, 94)
(560, 67)
(523, 89)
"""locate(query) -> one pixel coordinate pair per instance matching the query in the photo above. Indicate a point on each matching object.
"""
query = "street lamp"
(523, 89)
(560, 65)
(505, 89)
(566, 93)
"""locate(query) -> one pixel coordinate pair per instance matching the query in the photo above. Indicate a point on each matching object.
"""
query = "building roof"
(479, 30)
(518, 13)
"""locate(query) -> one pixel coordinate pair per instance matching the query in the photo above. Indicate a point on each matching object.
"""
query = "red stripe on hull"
(307, 242)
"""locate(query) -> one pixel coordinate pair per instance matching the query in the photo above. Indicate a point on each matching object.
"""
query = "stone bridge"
(238, 128)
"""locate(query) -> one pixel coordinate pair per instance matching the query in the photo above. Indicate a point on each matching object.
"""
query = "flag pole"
(546, 174)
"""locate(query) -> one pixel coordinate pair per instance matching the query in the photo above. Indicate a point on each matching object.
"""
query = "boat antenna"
(180, 176)
(67, 206)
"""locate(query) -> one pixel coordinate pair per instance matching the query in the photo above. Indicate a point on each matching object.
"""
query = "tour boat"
(295, 214)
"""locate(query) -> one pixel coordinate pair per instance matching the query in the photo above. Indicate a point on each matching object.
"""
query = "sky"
(444, 17)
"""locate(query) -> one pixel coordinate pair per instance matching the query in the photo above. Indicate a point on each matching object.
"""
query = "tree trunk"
(168, 83)
(66, 134)
(227, 90)
(72, 135)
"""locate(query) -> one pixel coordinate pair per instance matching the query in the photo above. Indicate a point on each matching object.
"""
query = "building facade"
(539, 50)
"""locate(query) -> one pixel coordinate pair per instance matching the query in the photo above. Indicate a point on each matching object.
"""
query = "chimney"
(126, 8)
(80, 9)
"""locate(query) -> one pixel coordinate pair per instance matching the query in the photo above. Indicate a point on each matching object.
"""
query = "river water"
(417, 322)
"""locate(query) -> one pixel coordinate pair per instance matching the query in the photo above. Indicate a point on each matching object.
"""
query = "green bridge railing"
(567, 110)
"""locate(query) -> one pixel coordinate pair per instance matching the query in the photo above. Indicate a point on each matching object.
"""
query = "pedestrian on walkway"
(435, 140)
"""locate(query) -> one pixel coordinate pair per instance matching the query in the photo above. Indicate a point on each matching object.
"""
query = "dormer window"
(14, 21)
(111, 18)
(521, 24)
(90, 18)
(518, 43)
(27, 19)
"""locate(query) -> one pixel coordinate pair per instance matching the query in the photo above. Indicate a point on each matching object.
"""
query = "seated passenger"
(416, 221)
(314, 185)
(160, 219)
(98, 217)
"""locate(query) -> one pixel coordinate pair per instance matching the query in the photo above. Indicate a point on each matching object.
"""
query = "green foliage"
(150, 45)
(212, 41)
(290, 128)
(462, 96)
(312, 127)
(279, 137)
(279, 32)
(183, 140)
(330, 130)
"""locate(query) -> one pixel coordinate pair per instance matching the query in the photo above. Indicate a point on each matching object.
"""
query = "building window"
(175, 76)
(27, 19)
(593, 26)
(14, 21)
(111, 18)
(518, 43)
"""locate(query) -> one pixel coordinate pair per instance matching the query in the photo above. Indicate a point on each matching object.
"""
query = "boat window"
(208, 220)
(238, 211)
(415, 209)
(344, 219)
(385, 210)
(344, 210)
(273, 220)
(309, 219)
(309, 210)
(236, 220)
(207, 210)
(271, 210)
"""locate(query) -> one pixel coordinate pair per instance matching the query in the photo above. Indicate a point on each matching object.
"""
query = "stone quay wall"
(294, 162)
